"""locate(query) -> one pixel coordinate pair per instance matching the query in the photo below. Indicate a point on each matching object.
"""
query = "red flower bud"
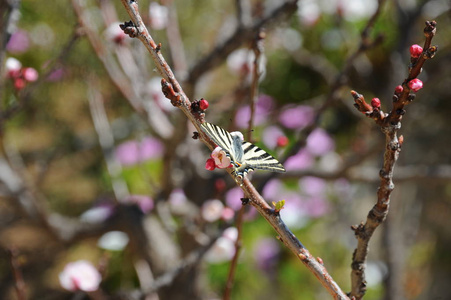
(415, 51)
(282, 141)
(19, 83)
(415, 84)
(376, 103)
(203, 104)
(210, 164)
(399, 89)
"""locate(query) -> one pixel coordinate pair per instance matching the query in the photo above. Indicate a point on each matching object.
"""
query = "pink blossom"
(415, 84)
(227, 214)
(19, 42)
(313, 186)
(271, 135)
(80, 275)
(399, 89)
(300, 161)
(115, 34)
(30, 74)
(220, 157)
(233, 198)
(316, 207)
(319, 142)
(158, 16)
(415, 51)
(263, 109)
(273, 189)
(224, 247)
(212, 210)
(134, 152)
(297, 117)
(56, 75)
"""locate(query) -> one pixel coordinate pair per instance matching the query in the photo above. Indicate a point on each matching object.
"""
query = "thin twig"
(390, 124)
(234, 261)
(258, 49)
(174, 92)
(19, 283)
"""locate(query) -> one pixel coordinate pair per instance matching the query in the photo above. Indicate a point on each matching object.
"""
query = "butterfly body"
(245, 157)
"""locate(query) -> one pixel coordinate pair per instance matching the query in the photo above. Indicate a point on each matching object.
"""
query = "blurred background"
(99, 172)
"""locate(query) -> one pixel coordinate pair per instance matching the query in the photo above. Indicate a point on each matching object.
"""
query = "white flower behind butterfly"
(244, 156)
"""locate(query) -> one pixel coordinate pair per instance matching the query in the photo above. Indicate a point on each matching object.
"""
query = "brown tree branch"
(390, 125)
(174, 92)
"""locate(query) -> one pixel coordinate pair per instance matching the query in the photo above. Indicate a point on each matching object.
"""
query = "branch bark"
(390, 124)
(173, 91)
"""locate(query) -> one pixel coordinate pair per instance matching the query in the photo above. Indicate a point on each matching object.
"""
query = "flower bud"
(203, 104)
(415, 84)
(376, 103)
(210, 164)
(415, 51)
(399, 89)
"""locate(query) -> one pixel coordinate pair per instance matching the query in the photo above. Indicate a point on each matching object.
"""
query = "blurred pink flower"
(224, 247)
(271, 135)
(316, 207)
(227, 214)
(56, 75)
(19, 42)
(158, 16)
(300, 161)
(272, 190)
(319, 142)
(144, 202)
(313, 186)
(263, 108)
(220, 157)
(115, 34)
(30, 74)
(133, 152)
(212, 210)
(296, 117)
(80, 275)
(233, 198)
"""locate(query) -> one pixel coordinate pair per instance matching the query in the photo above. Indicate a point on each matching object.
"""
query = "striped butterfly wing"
(256, 158)
(222, 138)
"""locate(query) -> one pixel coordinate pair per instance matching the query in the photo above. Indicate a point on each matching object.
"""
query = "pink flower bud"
(415, 84)
(376, 103)
(399, 89)
(19, 83)
(210, 164)
(415, 51)
(203, 104)
(30, 74)
(282, 141)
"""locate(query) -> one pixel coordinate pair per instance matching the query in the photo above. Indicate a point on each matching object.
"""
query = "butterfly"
(245, 157)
